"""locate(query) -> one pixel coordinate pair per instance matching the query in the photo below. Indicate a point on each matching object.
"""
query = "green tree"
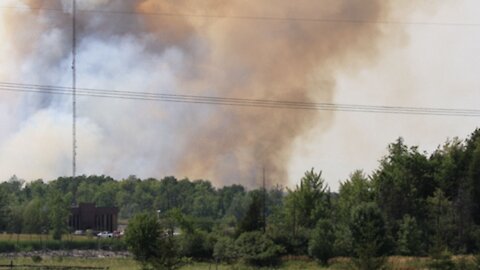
(4, 210)
(402, 184)
(15, 219)
(356, 190)
(227, 195)
(343, 245)
(369, 237)
(35, 217)
(321, 242)
(253, 219)
(149, 243)
(474, 176)
(58, 215)
(308, 202)
(409, 237)
(442, 221)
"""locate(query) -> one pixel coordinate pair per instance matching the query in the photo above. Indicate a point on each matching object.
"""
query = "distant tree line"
(413, 204)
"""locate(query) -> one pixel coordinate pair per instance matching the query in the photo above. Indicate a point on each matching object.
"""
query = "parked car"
(105, 234)
(78, 232)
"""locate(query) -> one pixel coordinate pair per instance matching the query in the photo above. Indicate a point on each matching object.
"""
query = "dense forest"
(413, 204)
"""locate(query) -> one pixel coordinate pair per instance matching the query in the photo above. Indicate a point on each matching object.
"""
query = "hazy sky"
(421, 65)
(437, 66)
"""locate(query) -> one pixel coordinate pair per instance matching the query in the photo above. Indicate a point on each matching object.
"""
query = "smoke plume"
(234, 48)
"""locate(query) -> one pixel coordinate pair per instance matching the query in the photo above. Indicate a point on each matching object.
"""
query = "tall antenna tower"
(74, 88)
(264, 214)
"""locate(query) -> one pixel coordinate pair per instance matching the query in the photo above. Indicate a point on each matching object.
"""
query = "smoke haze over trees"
(280, 60)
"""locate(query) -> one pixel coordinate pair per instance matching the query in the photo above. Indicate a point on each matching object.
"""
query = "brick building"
(86, 216)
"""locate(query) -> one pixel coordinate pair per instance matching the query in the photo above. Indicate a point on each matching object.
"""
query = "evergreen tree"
(409, 237)
(253, 220)
(369, 237)
(321, 241)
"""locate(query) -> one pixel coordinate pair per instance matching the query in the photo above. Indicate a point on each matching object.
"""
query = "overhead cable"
(233, 101)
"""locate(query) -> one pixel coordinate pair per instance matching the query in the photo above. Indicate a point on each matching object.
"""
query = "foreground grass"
(39, 237)
(115, 263)
(124, 264)
(395, 262)
(27, 242)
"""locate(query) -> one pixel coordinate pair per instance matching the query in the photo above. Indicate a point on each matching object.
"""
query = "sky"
(415, 64)
(436, 66)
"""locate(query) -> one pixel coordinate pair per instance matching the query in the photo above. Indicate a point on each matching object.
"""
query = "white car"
(105, 234)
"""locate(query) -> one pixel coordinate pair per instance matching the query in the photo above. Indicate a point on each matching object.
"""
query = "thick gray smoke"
(256, 58)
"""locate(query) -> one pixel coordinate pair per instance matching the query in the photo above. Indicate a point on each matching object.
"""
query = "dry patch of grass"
(116, 264)
(38, 237)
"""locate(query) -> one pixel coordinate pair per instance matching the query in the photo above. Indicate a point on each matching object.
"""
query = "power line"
(252, 18)
(241, 102)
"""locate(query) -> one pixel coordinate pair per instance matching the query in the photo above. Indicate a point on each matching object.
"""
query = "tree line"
(413, 204)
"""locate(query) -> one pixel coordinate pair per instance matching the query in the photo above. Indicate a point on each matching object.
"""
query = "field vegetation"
(414, 204)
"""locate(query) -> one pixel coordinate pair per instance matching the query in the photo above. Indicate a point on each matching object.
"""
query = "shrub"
(256, 249)
(225, 250)
(6, 247)
(196, 245)
(442, 261)
(36, 259)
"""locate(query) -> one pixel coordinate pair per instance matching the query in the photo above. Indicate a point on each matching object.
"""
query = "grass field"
(124, 264)
(39, 237)
(120, 264)
(25, 242)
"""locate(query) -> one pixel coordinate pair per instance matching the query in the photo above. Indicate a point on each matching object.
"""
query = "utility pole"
(264, 202)
(74, 89)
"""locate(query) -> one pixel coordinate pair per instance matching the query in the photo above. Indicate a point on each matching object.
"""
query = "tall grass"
(25, 243)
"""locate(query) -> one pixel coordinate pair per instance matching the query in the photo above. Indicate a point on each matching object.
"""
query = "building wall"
(86, 216)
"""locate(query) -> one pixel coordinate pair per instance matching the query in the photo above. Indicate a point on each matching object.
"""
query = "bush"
(442, 261)
(6, 247)
(196, 245)
(294, 244)
(225, 250)
(36, 259)
(464, 263)
(256, 249)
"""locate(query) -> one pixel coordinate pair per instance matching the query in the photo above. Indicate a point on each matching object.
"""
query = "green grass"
(24, 242)
(9, 243)
(403, 263)
(123, 264)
